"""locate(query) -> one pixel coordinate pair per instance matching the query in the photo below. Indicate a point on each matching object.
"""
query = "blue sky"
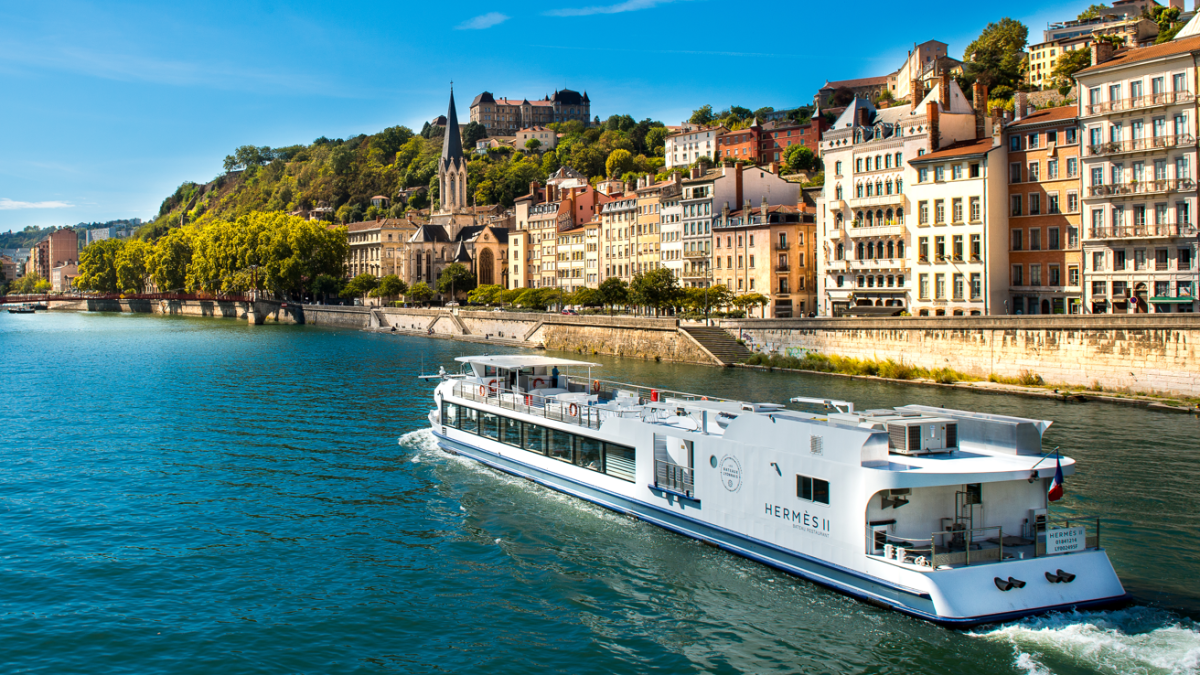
(107, 107)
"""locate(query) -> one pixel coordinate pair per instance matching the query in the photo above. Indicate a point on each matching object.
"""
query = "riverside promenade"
(1149, 353)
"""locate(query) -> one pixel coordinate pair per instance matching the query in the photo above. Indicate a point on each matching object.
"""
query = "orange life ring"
(537, 382)
(492, 387)
(573, 410)
(703, 398)
(528, 399)
(595, 385)
(482, 390)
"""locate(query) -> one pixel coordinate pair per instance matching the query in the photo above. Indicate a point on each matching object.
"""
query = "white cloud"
(482, 21)
(627, 6)
(7, 204)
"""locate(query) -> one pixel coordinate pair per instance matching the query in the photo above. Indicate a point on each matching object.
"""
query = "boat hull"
(856, 584)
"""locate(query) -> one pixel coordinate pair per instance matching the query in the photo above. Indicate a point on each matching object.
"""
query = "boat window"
(468, 420)
(535, 438)
(450, 414)
(489, 425)
(619, 461)
(587, 453)
(510, 431)
(559, 444)
(812, 489)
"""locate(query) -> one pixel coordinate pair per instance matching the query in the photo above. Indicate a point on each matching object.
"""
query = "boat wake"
(1132, 640)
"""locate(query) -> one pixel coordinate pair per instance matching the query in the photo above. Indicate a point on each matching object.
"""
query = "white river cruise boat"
(940, 514)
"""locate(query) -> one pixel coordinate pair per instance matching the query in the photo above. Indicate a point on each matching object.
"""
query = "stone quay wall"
(1146, 353)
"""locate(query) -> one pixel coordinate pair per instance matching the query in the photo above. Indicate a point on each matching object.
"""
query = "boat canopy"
(514, 361)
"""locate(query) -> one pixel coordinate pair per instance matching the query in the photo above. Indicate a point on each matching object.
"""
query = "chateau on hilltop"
(505, 117)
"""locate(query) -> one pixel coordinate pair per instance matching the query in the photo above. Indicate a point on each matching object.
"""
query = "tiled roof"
(960, 149)
(860, 82)
(1127, 56)
(1065, 112)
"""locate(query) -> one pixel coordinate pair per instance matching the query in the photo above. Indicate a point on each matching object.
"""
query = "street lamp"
(254, 291)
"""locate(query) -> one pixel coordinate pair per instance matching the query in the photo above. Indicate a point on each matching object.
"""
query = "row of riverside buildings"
(933, 206)
(54, 258)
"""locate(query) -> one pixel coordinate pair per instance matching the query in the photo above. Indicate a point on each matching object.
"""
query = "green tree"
(133, 266)
(472, 134)
(1093, 12)
(761, 113)
(488, 294)
(702, 115)
(618, 162)
(799, 158)
(325, 285)
(1070, 63)
(419, 293)
(748, 300)
(98, 266)
(169, 263)
(656, 140)
(454, 279)
(657, 289)
(614, 291)
(533, 144)
(994, 58)
(27, 284)
(390, 286)
(360, 286)
(587, 297)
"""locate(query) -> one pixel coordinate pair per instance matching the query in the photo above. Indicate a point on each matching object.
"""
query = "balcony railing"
(782, 247)
(675, 478)
(1148, 230)
(1141, 144)
(695, 254)
(891, 229)
(878, 200)
(1142, 188)
(963, 547)
(782, 267)
(1139, 102)
(880, 264)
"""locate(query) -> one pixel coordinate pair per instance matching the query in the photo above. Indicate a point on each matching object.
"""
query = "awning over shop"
(1185, 300)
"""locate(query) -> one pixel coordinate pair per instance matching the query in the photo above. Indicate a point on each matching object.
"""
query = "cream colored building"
(1137, 110)
(618, 239)
(547, 137)
(687, 146)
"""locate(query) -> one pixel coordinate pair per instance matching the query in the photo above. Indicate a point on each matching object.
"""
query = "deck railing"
(674, 477)
(956, 547)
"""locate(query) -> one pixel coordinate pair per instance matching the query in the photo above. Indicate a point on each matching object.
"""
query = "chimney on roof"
(979, 95)
(944, 90)
(737, 182)
(1102, 52)
(695, 172)
(773, 167)
(863, 119)
(762, 210)
(917, 91)
(1020, 105)
(935, 136)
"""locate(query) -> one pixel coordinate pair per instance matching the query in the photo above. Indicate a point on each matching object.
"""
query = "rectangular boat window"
(489, 425)
(587, 453)
(559, 444)
(468, 420)
(450, 415)
(812, 489)
(510, 431)
(619, 461)
(535, 438)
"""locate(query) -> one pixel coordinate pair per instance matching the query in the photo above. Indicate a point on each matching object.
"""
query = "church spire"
(452, 151)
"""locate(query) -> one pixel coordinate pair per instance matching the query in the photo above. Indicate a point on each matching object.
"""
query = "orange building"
(1044, 211)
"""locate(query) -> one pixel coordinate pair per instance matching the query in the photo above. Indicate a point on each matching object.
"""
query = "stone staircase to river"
(719, 343)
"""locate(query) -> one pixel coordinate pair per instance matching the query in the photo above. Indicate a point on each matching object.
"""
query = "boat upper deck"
(912, 440)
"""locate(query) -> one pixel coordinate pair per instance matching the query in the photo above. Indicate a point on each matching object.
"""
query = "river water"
(194, 496)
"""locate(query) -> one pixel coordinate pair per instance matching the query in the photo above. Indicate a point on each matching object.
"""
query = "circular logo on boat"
(731, 473)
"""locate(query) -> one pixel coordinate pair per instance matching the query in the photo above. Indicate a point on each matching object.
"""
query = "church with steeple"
(454, 234)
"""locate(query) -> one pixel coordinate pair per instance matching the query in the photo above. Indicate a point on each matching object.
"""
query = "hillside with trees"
(344, 174)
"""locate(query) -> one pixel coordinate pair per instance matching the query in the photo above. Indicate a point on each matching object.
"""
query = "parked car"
(570, 312)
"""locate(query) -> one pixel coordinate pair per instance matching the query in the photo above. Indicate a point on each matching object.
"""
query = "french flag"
(1056, 486)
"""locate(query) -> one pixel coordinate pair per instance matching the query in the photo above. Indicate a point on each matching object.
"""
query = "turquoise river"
(201, 496)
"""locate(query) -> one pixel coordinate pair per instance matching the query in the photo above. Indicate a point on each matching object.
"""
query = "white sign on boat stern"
(1065, 540)
(973, 591)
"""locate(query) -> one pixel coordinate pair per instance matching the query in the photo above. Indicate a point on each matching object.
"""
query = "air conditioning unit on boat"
(922, 435)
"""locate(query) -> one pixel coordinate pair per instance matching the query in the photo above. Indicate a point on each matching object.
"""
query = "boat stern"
(1003, 591)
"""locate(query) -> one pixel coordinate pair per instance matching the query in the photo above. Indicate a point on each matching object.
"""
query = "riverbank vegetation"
(281, 254)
